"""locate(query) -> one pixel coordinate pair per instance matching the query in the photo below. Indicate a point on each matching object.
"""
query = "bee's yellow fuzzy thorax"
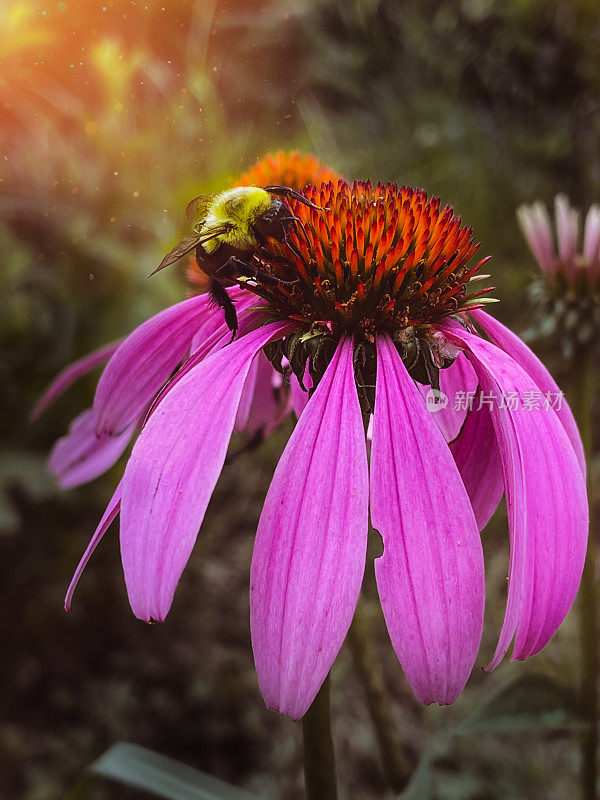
(239, 208)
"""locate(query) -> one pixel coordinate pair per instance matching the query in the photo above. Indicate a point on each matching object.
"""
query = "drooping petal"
(111, 512)
(430, 576)
(310, 549)
(269, 403)
(144, 361)
(81, 455)
(246, 397)
(219, 338)
(546, 498)
(477, 457)
(299, 396)
(174, 467)
(70, 374)
(518, 350)
(458, 386)
(456, 381)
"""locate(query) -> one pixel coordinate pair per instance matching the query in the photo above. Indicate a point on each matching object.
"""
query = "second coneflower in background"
(567, 297)
(568, 291)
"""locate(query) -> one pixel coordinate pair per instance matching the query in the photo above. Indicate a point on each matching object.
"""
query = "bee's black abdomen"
(222, 299)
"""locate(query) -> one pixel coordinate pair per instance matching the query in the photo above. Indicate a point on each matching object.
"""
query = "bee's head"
(275, 222)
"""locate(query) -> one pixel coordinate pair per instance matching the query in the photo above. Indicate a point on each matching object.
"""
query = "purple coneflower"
(381, 313)
(568, 292)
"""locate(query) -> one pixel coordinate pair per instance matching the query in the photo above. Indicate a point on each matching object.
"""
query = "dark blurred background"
(113, 115)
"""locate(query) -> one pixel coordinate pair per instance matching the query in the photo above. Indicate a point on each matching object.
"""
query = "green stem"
(396, 766)
(319, 758)
(583, 381)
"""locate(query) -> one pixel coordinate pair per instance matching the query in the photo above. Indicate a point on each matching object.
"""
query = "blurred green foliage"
(113, 117)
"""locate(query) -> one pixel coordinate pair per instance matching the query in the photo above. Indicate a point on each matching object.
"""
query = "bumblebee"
(230, 232)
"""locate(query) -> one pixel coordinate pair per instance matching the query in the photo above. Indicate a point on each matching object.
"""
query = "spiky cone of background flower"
(293, 169)
(383, 305)
(567, 293)
(567, 296)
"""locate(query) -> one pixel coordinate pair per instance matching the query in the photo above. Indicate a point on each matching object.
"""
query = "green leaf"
(531, 702)
(144, 769)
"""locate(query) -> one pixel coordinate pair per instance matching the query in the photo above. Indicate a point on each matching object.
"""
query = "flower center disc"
(375, 258)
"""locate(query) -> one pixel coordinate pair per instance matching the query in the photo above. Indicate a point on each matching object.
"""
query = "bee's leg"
(271, 280)
(267, 255)
(222, 299)
(292, 219)
(248, 270)
(294, 249)
(284, 238)
(274, 280)
(235, 265)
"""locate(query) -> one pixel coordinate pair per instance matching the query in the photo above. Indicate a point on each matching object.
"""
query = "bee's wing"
(184, 246)
(190, 243)
(196, 209)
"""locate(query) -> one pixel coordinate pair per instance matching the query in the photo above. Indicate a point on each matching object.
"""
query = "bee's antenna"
(285, 191)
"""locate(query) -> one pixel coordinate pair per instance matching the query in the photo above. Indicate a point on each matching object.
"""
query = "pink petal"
(458, 383)
(144, 361)
(268, 401)
(567, 228)
(81, 455)
(219, 338)
(459, 377)
(111, 512)
(246, 398)
(174, 467)
(546, 498)
(309, 554)
(70, 374)
(591, 239)
(525, 358)
(430, 577)
(536, 227)
(477, 457)
(299, 396)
